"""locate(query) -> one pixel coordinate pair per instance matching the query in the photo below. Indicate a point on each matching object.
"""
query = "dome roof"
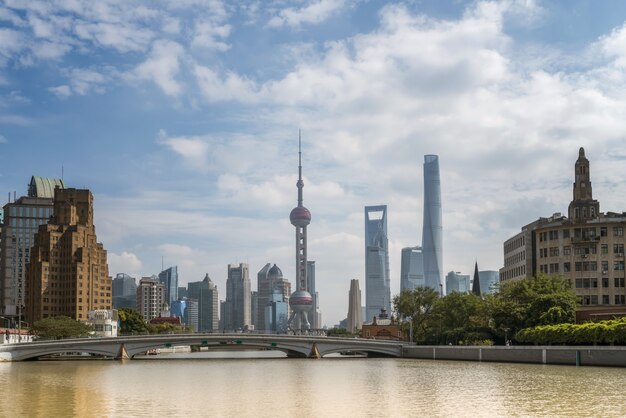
(275, 272)
(300, 216)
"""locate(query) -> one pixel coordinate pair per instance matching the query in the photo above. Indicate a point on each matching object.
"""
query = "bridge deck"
(129, 346)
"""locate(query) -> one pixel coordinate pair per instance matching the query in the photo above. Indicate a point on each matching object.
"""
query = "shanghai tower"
(432, 228)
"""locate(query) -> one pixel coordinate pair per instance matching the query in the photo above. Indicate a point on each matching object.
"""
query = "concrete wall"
(567, 355)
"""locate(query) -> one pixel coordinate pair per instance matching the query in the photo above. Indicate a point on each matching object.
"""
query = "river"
(189, 385)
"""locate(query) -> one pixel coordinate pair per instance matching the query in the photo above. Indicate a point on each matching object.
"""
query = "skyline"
(182, 121)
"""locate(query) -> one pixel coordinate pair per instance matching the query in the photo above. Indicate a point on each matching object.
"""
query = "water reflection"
(273, 387)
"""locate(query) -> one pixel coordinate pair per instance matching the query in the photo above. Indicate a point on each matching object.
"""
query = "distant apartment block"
(150, 297)
(21, 220)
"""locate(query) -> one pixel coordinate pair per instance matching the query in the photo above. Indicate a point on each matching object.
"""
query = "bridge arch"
(370, 351)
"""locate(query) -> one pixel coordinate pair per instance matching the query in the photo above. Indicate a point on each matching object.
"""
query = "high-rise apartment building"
(68, 272)
(355, 321)
(586, 247)
(150, 297)
(169, 278)
(22, 218)
(269, 280)
(412, 268)
(124, 291)
(432, 228)
(377, 281)
(238, 297)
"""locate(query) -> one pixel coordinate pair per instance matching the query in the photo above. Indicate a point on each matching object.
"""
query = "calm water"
(271, 387)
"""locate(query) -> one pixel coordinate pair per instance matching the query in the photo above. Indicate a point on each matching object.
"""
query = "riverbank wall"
(611, 356)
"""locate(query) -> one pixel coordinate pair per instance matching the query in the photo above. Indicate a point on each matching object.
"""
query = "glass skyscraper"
(169, 277)
(432, 228)
(457, 282)
(412, 268)
(377, 282)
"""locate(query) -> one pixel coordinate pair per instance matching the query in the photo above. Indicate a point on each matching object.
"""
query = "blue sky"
(182, 118)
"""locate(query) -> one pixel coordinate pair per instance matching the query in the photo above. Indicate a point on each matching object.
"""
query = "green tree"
(418, 305)
(541, 300)
(463, 318)
(131, 322)
(60, 327)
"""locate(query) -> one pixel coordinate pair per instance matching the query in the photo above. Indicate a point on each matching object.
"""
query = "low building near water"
(104, 322)
(14, 336)
(382, 327)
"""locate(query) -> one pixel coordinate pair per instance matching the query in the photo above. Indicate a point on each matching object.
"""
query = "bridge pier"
(315, 353)
(122, 354)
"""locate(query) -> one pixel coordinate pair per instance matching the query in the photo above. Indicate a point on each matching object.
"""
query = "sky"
(182, 118)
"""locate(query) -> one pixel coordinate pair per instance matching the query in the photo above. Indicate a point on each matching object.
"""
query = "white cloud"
(3, 140)
(314, 13)
(194, 150)
(162, 66)
(230, 87)
(209, 35)
(126, 262)
(62, 92)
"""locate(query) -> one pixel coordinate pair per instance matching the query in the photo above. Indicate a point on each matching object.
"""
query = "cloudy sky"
(182, 118)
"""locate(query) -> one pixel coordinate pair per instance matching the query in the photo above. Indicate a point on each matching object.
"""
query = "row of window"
(580, 233)
(592, 283)
(581, 266)
(593, 300)
(517, 243)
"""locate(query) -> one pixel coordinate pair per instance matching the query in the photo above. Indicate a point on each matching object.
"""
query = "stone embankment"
(566, 355)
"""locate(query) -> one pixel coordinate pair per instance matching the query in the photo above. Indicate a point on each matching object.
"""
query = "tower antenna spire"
(300, 183)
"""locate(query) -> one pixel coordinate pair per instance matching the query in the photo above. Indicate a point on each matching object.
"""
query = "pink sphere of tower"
(301, 301)
(300, 216)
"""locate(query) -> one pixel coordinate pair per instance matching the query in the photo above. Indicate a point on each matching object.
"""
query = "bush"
(601, 332)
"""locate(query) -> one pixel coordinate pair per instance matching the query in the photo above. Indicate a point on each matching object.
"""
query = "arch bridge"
(129, 346)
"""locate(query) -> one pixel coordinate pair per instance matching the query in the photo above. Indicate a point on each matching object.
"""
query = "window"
(593, 300)
(619, 282)
(567, 250)
(618, 265)
(567, 267)
(618, 248)
(618, 231)
(605, 282)
(603, 232)
(604, 249)
(605, 266)
(605, 299)
(554, 251)
(620, 300)
(566, 233)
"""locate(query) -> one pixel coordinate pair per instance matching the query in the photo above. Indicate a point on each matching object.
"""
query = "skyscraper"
(411, 268)
(169, 278)
(476, 281)
(238, 302)
(432, 228)
(457, 282)
(489, 281)
(208, 306)
(377, 282)
(315, 314)
(68, 272)
(269, 280)
(124, 291)
(300, 300)
(355, 321)
(22, 218)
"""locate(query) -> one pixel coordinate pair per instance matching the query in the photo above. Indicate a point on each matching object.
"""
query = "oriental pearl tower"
(300, 301)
